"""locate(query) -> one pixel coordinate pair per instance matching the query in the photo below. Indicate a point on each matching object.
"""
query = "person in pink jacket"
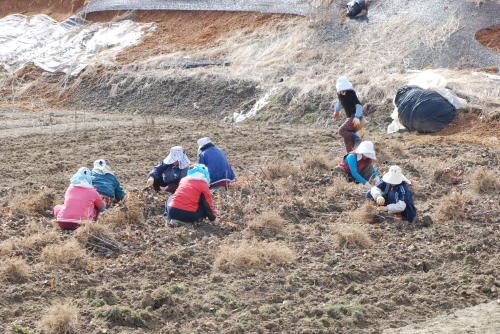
(192, 201)
(82, 202)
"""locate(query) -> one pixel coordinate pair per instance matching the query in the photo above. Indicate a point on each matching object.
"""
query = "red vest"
(361, 163)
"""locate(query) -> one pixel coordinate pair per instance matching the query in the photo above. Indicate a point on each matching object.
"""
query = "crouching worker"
(106, 183)
(393, 195)
(82, 203)
(221, 173)
(358, 165)
(170, 170)
(192, 202)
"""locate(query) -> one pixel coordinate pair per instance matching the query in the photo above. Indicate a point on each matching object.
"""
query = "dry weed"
(316, 161)
(32, 204)
(252, 255)
(485, 181)
(341, 186)
(60, 319)
(71, 254)
(353, 236)
(34, 242)
(87, 230)
(268, 222)
(363, 214)
(278, 168)
(14, 269)
(130, 212)
(451, 208)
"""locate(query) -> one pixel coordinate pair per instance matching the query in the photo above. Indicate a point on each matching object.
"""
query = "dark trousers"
(183, 215)
(348, 132)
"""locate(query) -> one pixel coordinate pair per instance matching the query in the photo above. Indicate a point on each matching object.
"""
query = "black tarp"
(423, 110)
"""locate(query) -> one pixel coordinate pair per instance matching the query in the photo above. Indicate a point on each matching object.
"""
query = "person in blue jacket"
(221, 173)
(169, 172)
(106, 183)
(393, 195)
(357, 165)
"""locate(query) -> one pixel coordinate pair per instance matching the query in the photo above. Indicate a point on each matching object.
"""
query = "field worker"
(192, 202)
(82, 202)
(221, 174)
(106, 183)
(358, 165)
(348, 100)
(393, 195)
(170, 170)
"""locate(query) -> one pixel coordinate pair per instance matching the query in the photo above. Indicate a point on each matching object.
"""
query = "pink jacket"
(79, 205)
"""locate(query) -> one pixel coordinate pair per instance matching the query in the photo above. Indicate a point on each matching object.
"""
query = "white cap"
(203, 141)
(395, 176)
(343, 84)
(366, 148)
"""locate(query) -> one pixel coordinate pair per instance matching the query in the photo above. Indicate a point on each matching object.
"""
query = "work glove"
(150, 181)
(382, 208)
(356, 122)
(336, 115)
(376, 179)
(368, 185)
(380, 200)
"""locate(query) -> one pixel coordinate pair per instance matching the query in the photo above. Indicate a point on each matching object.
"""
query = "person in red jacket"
(82, 202)
(192, 201)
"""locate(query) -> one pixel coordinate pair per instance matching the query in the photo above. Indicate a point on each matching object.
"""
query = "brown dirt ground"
(165, 279)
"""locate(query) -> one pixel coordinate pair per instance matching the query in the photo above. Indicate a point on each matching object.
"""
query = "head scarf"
(395, 176)
(365, 148)
(82, 178)
(343, 84)
(198, 172)
(177, 154)
(101, 167)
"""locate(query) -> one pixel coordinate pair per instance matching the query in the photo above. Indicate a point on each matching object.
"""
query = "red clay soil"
(489, 37)
(59, 10)
(183, 30)
(466, 128)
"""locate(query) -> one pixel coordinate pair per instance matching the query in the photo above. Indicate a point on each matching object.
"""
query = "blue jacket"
(400, 192)
(164, 174)
(216, 162)
(108, 185)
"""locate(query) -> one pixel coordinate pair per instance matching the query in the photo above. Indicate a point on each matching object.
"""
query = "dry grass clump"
(340, 187)
(353, 236)
(14, 269)
(71, 254)
(365, 213)
(485, 181)
(33, 242)
(40, 203)
(89, 229)
(60, 319)
(266, 222)
(130, 212)
(451, 208)
(252, 255)
(278, 168)
(315, 161)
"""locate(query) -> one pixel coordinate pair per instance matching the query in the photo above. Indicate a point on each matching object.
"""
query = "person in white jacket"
(393, 195)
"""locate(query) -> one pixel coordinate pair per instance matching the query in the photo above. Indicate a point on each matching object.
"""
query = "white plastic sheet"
(430, 81)
(66, 47)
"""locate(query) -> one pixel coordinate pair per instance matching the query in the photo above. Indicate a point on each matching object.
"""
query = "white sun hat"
(203, 141)
(395, 176)
(366, 148)
(343, 84)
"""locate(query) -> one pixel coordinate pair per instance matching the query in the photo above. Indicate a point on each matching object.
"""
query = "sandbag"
(423, 110)
(355, 7)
